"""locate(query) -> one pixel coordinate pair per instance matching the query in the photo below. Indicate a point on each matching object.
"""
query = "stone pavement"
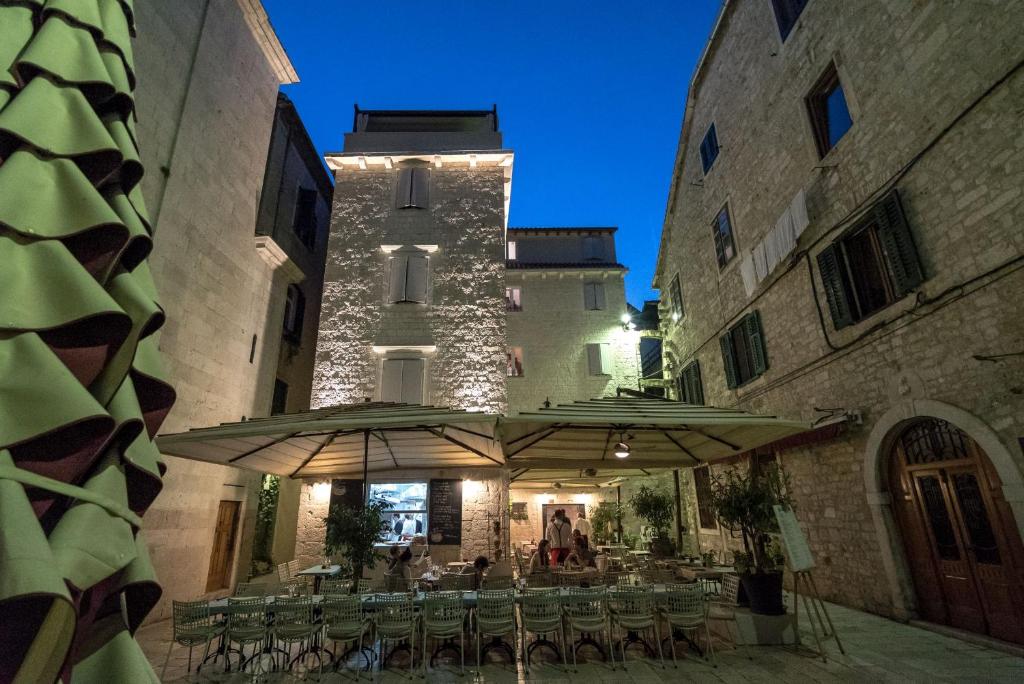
(877, 650)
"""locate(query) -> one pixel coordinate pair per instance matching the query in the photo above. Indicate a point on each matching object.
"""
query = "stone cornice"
(278, 259)
(259, 23)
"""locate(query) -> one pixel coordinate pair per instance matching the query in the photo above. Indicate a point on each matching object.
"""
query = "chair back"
(730, 589)
(393, 611)
(282, 572)
(538, 580)
(566, 579)
(520, 566)
(397, 583)
(496, 608)
(684, 599)
(632, 601)
(585, 603)
(247, 613)
(364, 585)
(250, 589)
(293, 610)
(335, 587)
(541, 607)
(191, 616)
(293, 567)
(500, 582)
(341, 610)
(451, 581)
(443, 609)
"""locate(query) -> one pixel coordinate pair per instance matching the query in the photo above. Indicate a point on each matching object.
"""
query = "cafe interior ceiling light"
(622, 448)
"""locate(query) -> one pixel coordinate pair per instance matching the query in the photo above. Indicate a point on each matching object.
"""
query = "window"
(413, 186)
(725, 247)
(513, 299)
(709, 149)
(874, 264)
(304, 223)
(786, 14)
(691, 390)
(514, 358)
(743, 352)
(511, 250)
(675, 297)
(294, 309)
(599, 358)
(279, 403)
(408, 513)
(407, 278)
(402, 381)
(702, 485)
(593, 296)
(830, 117)
(593, 248)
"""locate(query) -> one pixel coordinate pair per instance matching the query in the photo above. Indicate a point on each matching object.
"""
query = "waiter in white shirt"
(408, 526)
(559, 534)
(584, 526)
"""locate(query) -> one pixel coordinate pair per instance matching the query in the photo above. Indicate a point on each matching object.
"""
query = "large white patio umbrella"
(346, 440)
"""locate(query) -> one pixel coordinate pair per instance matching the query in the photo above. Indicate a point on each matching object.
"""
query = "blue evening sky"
(590, 94)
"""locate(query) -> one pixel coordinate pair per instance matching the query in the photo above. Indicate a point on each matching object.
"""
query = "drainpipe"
(679, 512)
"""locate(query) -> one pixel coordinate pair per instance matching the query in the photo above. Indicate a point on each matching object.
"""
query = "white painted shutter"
(391, 380)
(399, 264)
(599, 358)
(606, 358)
(419, 193)
(416, 279)
(412, 381)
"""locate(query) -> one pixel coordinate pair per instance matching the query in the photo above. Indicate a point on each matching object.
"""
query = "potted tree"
(606, 519)
(655, 507)
(355, 532)
(743, 501)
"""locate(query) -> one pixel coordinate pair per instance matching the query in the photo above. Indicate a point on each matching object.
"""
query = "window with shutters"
(593, 296)
(513, 299)
(407, 277)
(675, 295)
(599, 358)
(786, 14)
(304, 223)
(830, 115)
(593, 248)
(279, 404)
(871, 266)
(510, 251)
(702, 486)
(402, 381)
(709, 149)
(691, 390)
(294, 310)
(413, 188)
(514, 359)
(743, 351)
(725, 246)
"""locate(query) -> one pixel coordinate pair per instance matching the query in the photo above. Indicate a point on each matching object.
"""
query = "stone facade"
(934, 92)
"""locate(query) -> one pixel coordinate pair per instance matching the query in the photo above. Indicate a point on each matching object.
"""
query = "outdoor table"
(318, 572)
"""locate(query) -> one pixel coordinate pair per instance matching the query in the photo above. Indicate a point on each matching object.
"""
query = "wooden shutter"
(416, 279)
(830, 266)
(419, 192)
(728, 360)
(898, 244)
(693, 390)
(403, 193)
(399, 265)
(593, 249)
(755, 343)
(412, 381)
(598, 358)
(589, 297)
(391, 380)
(598, 295)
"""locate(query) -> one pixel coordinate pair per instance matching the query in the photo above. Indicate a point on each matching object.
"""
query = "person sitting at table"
(479, 566)
(540, 561)
(399, 571)
(573, 562)
(581, 548)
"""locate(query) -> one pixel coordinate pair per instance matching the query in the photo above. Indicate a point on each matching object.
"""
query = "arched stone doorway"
(961, 542)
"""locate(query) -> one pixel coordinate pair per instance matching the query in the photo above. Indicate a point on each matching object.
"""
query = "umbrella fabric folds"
(81, 394)
(346, 440)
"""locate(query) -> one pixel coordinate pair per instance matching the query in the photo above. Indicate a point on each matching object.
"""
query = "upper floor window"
(593, 248)
(304, 223)
(599, 358)
(691, 390)
(402, 381)
(872, 265)
(513, 299)
(702, 486)
(725, 246)
(510, 251)
(407, 277)
(709, 149)
(413, 188)
(743, 352)
(294, 310)
(593, 296)
(830, 116)
(279, 403)
(514, 358)
(675, 298)
(786, 14)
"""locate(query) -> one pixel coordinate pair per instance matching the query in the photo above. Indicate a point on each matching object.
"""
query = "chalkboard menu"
(348, 493)
(445, 512)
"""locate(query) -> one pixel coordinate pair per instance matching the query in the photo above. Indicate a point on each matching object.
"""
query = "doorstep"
(982, 640)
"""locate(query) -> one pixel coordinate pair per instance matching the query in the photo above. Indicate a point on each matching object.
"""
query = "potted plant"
(606, 518)
(355, 532)
(655, 507)
(743, 501)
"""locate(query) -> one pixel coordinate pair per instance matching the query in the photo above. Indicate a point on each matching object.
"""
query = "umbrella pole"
(679, 513)
(366, 462)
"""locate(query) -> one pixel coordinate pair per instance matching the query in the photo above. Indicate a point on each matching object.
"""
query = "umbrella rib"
(326, 443)
(469, 432)
(607, 441)
(384, 439)
(713, 438)
(679, 444)
(438, 433)
(552, 430)
(529, 434)
(261, 448)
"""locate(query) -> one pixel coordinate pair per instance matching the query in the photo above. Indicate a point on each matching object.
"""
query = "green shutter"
(755, 342)
(725, 341)
(696, 387)
(898, 244)
(830, 267)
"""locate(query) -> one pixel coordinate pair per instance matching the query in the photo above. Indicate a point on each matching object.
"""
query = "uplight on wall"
(472, 487)
(322, 492)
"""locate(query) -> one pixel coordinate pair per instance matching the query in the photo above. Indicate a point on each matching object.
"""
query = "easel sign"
(797, 549)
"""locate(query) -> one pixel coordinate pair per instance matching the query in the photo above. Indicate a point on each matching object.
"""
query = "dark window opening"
(786, 14)
(709, 149)
(305, 217)
(294, 310)
(279, 403)
(691, 390)
(676, 298)
(702, 485)
(830, 116)
(725, 246)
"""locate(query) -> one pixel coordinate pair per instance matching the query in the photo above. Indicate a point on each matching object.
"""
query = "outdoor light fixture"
(624, 318)
(322, 492)
(622, 450)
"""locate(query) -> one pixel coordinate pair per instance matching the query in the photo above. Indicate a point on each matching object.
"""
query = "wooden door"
(223, 554)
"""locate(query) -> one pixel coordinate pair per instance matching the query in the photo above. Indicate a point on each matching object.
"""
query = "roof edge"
(262, 30)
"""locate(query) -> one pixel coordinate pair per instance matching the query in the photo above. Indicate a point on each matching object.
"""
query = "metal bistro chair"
(293, 624)
(538, 580)
(451, 581)
(499, 582)
(585, 612)
(684, 609)
(194, 625)
(566, 579)
(723, 607)
(495, 617)
(633, 610)
(250, 589)
(443, 618)
(344, 621)
(541, 613)
(247, 626)
(397, 584)
(394, 619)
(364, 585)
(336, 587)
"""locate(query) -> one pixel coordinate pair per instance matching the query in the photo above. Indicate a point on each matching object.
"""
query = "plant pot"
(764, 590)
(662, 547)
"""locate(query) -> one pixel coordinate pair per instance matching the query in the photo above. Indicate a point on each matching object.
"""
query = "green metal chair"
(495, 615)
(250, 589)
(586, 612)
(566, 579)
(397, 584)
(633, 610)
(365, 585)
(538, 580)
(684, 608)
(499, 582)
(394, 619)
(444, 617)
(247, 626)
(541, 614)
(336, 587)
(294, 624)
(194, 625)
(451, 581)
(344, 621)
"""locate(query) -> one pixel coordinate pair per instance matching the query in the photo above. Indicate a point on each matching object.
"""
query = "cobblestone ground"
(877, 650)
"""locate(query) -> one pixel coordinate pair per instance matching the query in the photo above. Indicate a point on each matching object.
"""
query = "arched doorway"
(961, 540)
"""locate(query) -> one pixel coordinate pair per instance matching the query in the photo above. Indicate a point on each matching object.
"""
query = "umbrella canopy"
(577, 442)
(346, 440)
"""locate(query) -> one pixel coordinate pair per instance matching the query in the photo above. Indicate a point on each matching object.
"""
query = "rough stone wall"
(908, 70)
(554, 329)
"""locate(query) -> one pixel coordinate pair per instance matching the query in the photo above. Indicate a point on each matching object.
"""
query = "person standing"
(584, 527)
(559, 535)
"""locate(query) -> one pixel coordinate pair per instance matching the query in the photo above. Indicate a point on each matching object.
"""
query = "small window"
(407, 277)
(407, 514)
(593, 248)
(702, 485)
(279, 404)
(675, 292)
(304, 225)
(294, 310)
(786, 14)
(599, 358)
(709, 149)
(725, 246)
(871, 266)
(743, 351)
(514, 356)
(413, 188)
(830, 117)
(402, 381)
(511, 251)
(593, 296)
(513, 299)
(691, 390)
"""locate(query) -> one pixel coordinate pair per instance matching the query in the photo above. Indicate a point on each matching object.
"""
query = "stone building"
(843, 243)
